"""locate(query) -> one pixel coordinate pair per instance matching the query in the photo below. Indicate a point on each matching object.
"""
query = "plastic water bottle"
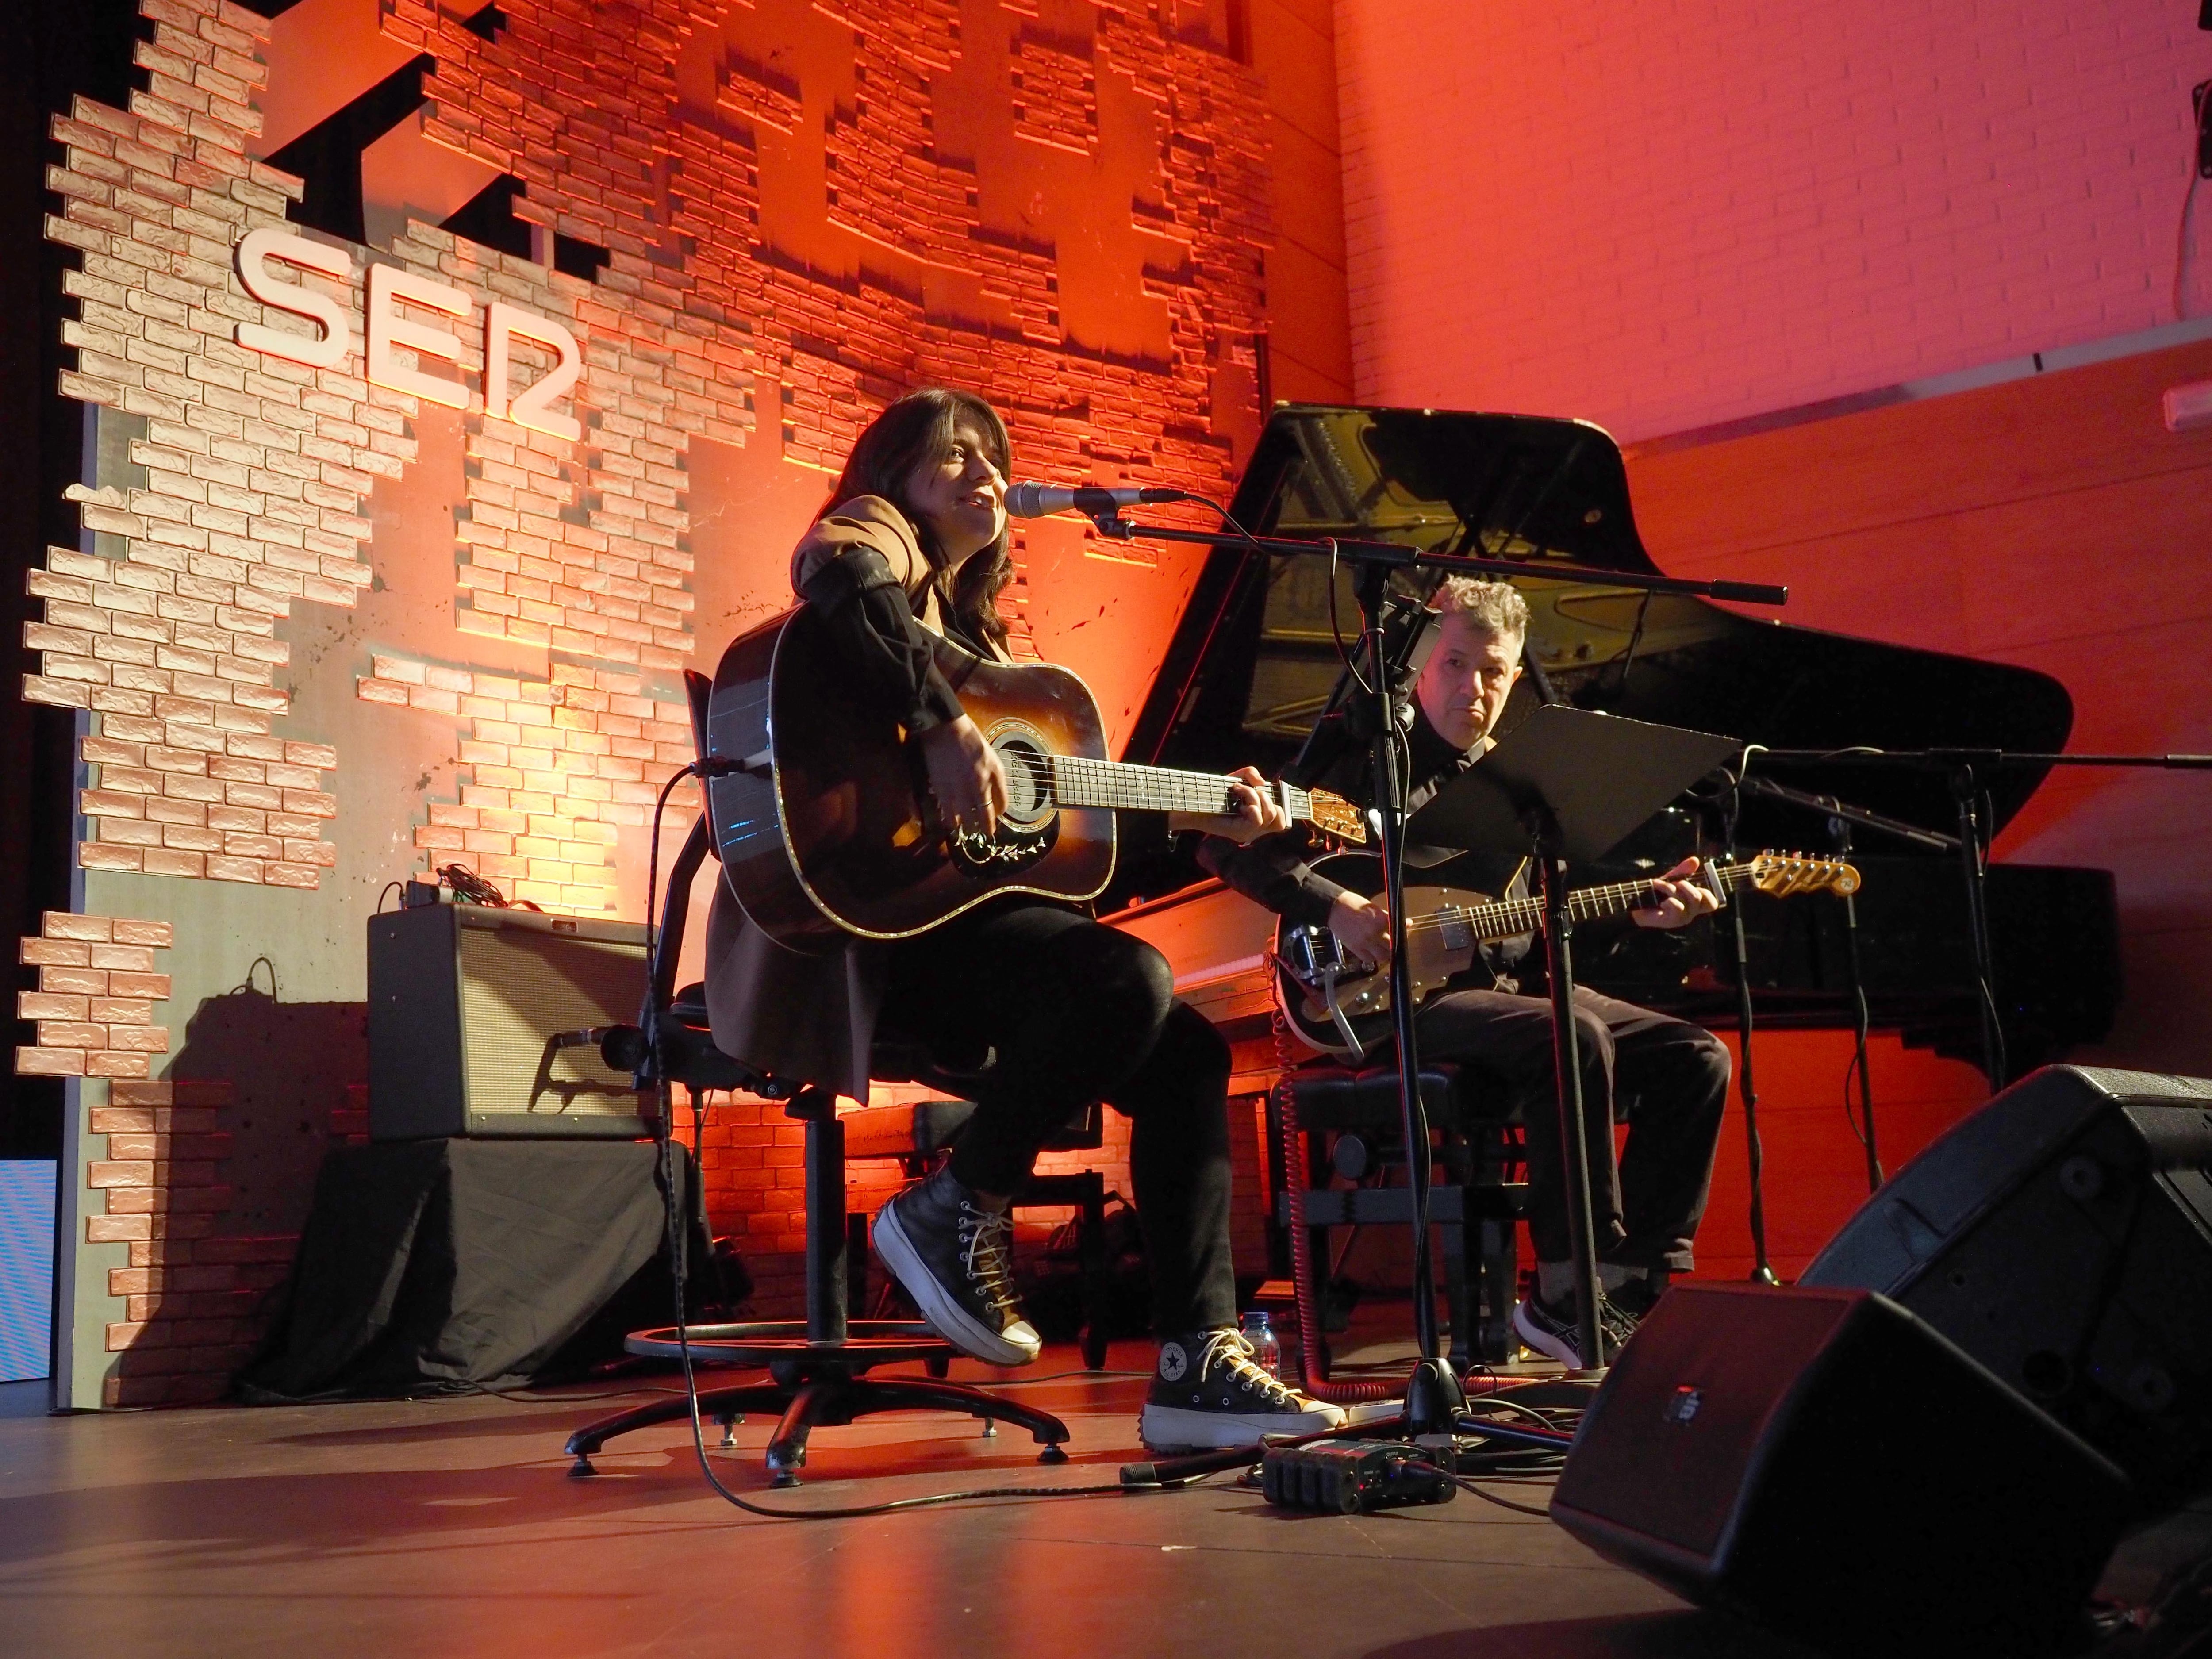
(1267, 1352)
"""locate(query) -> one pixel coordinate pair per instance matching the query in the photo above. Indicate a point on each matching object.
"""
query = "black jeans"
(1078, 1012)
(1666, 1078)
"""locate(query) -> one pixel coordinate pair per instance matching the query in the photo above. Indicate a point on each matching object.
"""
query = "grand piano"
(1253, 659)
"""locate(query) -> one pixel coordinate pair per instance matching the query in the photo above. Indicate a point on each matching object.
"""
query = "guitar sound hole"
(1029, 826)
(1028, 783)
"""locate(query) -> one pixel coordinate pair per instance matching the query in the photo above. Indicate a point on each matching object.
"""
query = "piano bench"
(1352, 1118)
(920, 1135)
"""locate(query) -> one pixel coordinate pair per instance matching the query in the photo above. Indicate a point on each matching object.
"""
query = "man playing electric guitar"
(1667, 1080)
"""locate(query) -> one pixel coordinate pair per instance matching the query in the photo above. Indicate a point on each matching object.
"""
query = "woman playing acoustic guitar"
(912, 547)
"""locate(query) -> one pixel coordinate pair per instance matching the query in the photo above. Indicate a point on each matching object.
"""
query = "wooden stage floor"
(451, 1527)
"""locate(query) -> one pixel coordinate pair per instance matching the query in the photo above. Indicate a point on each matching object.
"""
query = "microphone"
(1035, 500)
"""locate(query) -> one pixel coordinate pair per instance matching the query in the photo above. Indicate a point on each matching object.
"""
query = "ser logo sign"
(389, 288)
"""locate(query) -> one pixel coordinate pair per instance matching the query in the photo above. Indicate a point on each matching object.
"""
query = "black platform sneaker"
(1551, 1328)
(1207, 1394)
(953, 1258)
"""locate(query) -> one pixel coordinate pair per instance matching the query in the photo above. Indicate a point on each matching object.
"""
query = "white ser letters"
(502, 323)
(268, 243)
(389, 286)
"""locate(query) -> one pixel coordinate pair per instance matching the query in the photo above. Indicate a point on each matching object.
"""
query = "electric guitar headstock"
(1784, 874)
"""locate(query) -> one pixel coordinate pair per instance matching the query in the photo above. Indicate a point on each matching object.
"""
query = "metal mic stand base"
(1434, 1399)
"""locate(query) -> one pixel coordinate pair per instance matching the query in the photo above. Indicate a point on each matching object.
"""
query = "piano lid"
(1254, 657)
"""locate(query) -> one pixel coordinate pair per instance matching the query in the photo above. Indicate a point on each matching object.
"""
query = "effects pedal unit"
(1351, 1477)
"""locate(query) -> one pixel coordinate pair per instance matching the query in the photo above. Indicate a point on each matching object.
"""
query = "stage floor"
(451, 1527)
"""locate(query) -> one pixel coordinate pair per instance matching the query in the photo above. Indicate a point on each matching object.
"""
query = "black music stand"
(1570, 784)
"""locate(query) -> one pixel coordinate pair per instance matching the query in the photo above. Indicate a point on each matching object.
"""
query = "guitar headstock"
(1335, 816)
(1784, 874)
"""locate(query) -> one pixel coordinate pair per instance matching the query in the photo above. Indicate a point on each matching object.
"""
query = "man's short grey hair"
(1495, 607)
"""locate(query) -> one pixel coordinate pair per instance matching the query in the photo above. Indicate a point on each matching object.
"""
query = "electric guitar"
(1338, 1003)
(827, 827)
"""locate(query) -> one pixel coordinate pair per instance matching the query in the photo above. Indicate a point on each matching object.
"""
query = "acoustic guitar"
(828, 828)
(1338, 1003)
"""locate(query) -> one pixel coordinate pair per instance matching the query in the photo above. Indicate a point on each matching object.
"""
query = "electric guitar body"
(1312, 969)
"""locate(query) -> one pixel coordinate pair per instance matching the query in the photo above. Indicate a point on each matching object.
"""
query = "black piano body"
(1255, 656)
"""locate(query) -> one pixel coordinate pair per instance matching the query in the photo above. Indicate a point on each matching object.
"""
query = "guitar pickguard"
(1005, 852)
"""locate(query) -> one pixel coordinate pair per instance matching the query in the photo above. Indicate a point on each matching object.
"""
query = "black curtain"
(49, 52)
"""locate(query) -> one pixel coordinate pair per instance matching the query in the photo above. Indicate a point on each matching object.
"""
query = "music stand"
(1570, 784)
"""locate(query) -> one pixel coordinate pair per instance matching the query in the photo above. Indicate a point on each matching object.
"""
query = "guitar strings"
(1171, 788)
(1156, 786)
(1532, 909)
(1482, 916)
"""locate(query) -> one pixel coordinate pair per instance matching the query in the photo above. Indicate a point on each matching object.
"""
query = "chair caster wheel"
(1052, 1454)
(582, 1468)
(785, 1478)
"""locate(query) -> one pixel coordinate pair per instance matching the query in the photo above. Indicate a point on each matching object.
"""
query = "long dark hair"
(916, 429)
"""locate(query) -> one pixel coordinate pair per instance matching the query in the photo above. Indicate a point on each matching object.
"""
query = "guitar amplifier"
(465, 1006)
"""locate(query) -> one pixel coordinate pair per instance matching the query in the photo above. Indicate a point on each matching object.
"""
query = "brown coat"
(809, 1018)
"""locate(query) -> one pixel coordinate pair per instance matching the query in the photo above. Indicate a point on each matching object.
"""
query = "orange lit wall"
(322, 634)
(1659, 218)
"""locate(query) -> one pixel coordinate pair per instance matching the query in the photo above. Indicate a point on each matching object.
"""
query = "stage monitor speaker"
(2062, 1236)
(1823, 1463)
(463, 1003)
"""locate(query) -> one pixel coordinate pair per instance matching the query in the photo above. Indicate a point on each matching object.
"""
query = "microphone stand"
(1841, 816)
(1963, 767)
(1433, 1395)
(1839, 835)
(1754, 1149)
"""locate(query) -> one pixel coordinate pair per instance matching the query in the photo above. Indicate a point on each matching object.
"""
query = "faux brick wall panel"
(1063, 207)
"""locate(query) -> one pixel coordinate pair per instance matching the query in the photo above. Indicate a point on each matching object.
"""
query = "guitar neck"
(1079, 781)
(1508, 918)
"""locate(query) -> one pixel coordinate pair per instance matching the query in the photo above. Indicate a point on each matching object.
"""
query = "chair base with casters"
(1472, 1206)
(817, 1367)
(920, 1135)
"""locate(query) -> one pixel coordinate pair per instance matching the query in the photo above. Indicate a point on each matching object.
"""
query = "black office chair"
(817, 1367)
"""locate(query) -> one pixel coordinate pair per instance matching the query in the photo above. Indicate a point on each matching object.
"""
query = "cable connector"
(761, 765)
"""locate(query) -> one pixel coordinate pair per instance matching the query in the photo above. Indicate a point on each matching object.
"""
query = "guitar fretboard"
(1506, 918)
(1080, 780)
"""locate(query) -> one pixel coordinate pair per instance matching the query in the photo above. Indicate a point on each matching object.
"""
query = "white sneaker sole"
(944, 1315)
(1168, 1431)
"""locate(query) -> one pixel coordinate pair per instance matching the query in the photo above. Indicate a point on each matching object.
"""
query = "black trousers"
(1666, 1078)
(1078, 1012)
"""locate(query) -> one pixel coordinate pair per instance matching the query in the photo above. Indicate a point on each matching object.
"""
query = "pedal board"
(1351, 1477)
